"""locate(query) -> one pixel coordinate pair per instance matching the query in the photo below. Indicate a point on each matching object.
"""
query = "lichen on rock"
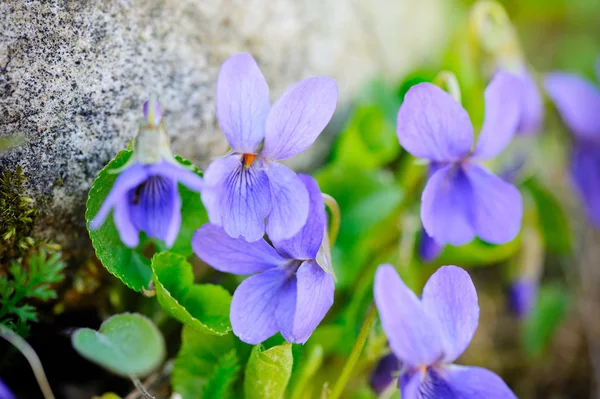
(74, 75)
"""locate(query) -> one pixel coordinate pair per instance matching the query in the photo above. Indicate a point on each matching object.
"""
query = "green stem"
(355, 354)
(140, 387)
(336, 218)
(32, 358)
(447, 81)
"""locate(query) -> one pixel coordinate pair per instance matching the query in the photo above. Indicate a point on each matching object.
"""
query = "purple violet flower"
(248, 185)
(5, 392)
(532, 104)
(463, 199)
(290, 291)
(522, 295)
(578, 103)
(427, 335)
(145, 196)
(385, 374)
(429, 249)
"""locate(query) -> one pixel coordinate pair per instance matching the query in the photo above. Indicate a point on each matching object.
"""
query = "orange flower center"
(248, 159)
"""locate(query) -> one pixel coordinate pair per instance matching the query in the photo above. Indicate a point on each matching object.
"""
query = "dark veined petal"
(459, 382)
(299, 116)
(289, 202)
(313, 290)
(234, 255)
(585, 172)
(410, 384)
(450, 297)
(128, 179)
(254, 305)
(236, 198)
(242, 103)
(432, 125)
(385, 374)
(178, 173)
(412, 334)
(306, 243)
(445, 207)
(503, 110)
(155, 208)
(496, 206)
(577, 101)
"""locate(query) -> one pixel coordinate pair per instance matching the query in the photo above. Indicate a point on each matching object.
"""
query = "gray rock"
(74, 74)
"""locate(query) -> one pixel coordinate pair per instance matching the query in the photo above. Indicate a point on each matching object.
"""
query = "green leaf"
(554, 223)
(226, 372)
(206, 365)
(204, 307)
(551, 308)
(369, 201)
(368, 141)
(128, 264)
(477, 253)
(128, 344)
(268, 372)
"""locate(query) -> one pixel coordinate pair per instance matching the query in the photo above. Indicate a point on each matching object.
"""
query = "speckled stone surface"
(74, 73)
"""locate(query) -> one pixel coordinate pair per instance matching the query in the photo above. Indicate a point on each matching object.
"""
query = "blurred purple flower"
(578, 102)
(145, 196)
(462, 199)
(5, 393)
(532, 104)
(429, 249)
(290, 291)
(385, 374)
(427, 335)
(247, 186)
(522, 295)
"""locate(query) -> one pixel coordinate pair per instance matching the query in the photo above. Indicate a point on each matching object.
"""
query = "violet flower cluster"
(578, 102)
(463, 199)
(429, 334)
(291, 288)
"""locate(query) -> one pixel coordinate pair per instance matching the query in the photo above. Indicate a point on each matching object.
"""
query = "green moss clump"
(17, 212)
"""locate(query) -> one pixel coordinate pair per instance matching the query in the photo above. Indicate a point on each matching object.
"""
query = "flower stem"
(355, 354)
(32, 358)
(140, 387)
(447, 81)
(336, 217)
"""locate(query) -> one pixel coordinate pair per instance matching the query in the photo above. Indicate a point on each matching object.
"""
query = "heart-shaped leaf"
(204, 307)
(128, 264)
(268, 372)
(128, 344)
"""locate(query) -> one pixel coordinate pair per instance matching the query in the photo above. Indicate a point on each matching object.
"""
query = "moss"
(17, 212)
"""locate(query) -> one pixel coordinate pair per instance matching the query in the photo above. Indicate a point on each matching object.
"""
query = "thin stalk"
(355, 354)
(336, 218)
(140, 387)
(32, 358)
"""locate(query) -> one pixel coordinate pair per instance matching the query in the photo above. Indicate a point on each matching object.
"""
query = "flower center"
(248, 159)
